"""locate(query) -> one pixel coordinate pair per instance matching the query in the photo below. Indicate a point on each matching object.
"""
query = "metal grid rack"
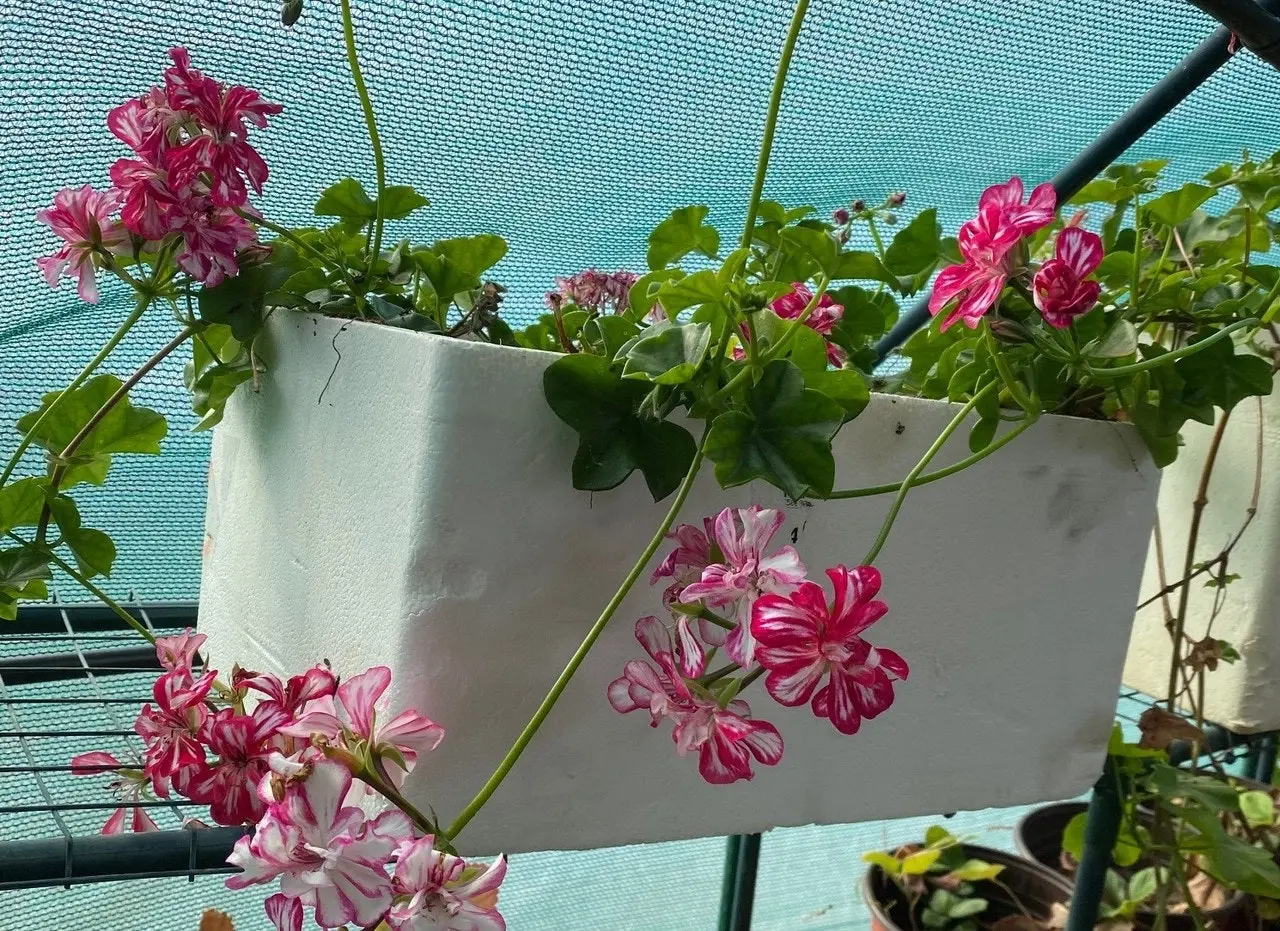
(71, 681)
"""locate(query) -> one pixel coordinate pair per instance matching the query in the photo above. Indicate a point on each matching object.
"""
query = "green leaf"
(1244, 866)
(1120, 341)
(1073, 835)
(685, 230)
(1258, 808)
(783, 436)
(1172, 783)
(919, 862)
(124, 429)
(817, 244)
(844, 386)
(605, 336)
(346, 199)
(398, 201)
(1143, 884)
(691, 291)
(23, 573)
(643, 294)
(863, 266)
(1220, 376)
(447, 279)
(238, 302)
(668, 354)
(472, 255)
(982, 434)
(917, 246)
(889, 864)
(967, 908)
(976, 871)
(614, 441)
(21, 503)
(938, 836)
(1176, 206)
(93, 550)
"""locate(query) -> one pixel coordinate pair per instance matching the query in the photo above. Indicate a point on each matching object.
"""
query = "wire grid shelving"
(72, 680)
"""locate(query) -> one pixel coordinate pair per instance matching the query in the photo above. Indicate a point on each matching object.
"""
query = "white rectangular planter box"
(418, 512)
(1241, 697)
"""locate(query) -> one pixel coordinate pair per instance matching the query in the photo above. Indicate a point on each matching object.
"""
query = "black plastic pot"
(1038, 835)
(1037, 889)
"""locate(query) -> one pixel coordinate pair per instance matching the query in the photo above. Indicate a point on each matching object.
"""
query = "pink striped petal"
(1080, 249)
(359, 698)
(889, 661)
(764, 742)
(115, 824)
(693, 659)
(284, 913)
(90, 764)
(795, 686)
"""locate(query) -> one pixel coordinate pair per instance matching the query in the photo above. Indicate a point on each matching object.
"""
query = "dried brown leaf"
(1160, 728)
(214, 920)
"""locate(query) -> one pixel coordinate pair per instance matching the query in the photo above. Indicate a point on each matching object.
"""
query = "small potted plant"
(949, 884)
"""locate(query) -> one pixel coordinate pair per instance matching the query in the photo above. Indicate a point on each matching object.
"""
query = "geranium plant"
(765, 347)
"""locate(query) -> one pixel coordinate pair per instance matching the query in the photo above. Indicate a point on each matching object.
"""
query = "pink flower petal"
(359, 697)
(284, 913)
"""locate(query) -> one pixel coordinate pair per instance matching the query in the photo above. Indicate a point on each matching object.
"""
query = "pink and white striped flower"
(436, 891)
(171, 730)
(325, 854)
(285, 913)
(180, 650)
(1061, 288)
(1035, 214)
(661, 691)
(822, 321)
(726, 740)
(242, 744)
(353, 716)
(126, 784)
(82, 219)
(743, 535)
(685, 563)
(293, 696)
(802, 640)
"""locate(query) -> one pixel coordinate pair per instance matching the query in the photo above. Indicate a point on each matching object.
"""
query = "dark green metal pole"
(1265, 764)
(744, 886)
(1100, 835)
(1176, 86)
(732, 853)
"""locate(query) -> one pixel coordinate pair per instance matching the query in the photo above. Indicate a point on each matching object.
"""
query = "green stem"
(374, 780)
(1006, 375)
(960, 466)
(1168, 357)
(549, 702)
(60, 469)
(718, 674)
(697, 610)
(144, 301)
(875, 236)
(90, 588)
(348, 31)
(771, 121)
(777, 348)
(284, 233)
(920, 467)
(1135, 287)
(750, 677)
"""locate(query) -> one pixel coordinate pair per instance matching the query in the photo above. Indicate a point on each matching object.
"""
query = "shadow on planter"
(1038, 835)
(1036, 888)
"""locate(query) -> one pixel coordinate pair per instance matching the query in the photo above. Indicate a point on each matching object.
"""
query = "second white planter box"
(395, 498)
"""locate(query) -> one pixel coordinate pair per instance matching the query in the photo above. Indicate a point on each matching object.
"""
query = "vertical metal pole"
(732, 853)
(744, 887)
(1265, 764)
(1155, 104)
(1100, 835)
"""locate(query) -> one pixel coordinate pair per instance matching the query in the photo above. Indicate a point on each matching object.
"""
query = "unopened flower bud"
(891, 219)
(897, 199)
(841, 216)
(290, 10)
(859, 206)
(1008, 331)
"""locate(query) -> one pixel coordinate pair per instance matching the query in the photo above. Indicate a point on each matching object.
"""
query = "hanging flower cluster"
(822, 320)
(183, 195)
(296, 765)
(727, 591)
(994, 251)
(593, 290)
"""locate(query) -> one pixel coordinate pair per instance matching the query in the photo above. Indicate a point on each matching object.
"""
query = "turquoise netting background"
(571, 127)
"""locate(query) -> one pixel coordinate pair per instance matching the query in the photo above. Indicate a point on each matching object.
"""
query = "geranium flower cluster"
(726, 591)
(597, 291)
(295, 758)
(184, 194)
(822, 320)
(993, 246)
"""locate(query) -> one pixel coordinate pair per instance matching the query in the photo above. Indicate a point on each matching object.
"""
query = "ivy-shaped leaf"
(684, 231)
(783, 436)
(916, 247)
(1222, 377)
(239, 301)
(668, 354)
(124, 429)
(691, 291)
(398, 201)
(348, 200)
(23, 573)
(613, 439)
(21, 503)
(1173, 207)
(93, 550)
(472, 255)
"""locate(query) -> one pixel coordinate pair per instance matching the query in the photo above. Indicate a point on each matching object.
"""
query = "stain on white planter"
(1241, 697)
(418, 512)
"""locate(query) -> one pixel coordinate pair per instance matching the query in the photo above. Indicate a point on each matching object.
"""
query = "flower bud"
(1008, 331)
(897, 199)
(290, 10)
(841, 216)
(859, 206)
(891, 219)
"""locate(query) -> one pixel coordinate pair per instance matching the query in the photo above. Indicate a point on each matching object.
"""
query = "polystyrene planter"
(1242, 696)
(397, 498)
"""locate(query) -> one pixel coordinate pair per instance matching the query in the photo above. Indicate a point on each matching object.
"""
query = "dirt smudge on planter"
(1073, 506)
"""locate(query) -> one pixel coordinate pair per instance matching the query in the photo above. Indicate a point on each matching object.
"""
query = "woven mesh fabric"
(571, 127)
